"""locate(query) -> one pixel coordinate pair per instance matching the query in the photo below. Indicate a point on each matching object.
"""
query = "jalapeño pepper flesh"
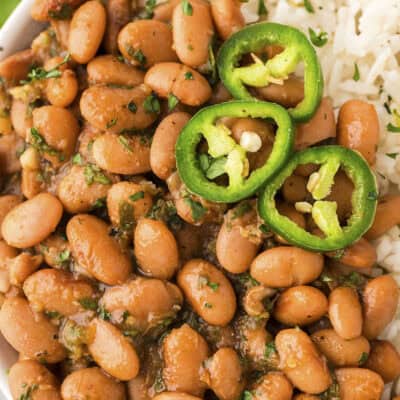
(223, 149)
(297, 49)
(364, 199)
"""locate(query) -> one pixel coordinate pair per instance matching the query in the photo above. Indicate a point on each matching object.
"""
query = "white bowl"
(16, 34)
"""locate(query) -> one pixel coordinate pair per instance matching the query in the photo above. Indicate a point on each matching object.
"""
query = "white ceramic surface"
(16, 34)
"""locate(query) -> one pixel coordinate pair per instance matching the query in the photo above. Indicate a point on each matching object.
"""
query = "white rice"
(365, 32)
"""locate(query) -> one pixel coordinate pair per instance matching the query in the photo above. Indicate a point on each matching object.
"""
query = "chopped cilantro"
(262, 10)
(241, 209)
(39, 73)
(246, 395)
(93, 174)
(172, 101)
(137, 55)
(356, 75)
(197, 208)
(27, 395)
(103, 313)
(309, 7)
(99, 203)
(151, 104)
(77, 159)
(132, 107)
(88, 303)
(126, 220)
(125, 143)
(269, 349)
(187, 7)
(63, 257)
(207, 305)
(40, 144)
(319, 40)
(137, 196)
(52, 314)
(188, 76)
(363, 358)
(111, 123)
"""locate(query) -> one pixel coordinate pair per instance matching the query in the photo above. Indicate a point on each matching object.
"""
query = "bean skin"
(301, 362)
(192, 33)
(95, 251)
(340, 352)
(181, 363)
(380, 298)
(208, 291)
(175, 396)
(227, 17)
(32, 221)
(273, 385)
(300, 305)
(86, 32)
(17, 318)
(286, 266)
(359, 384)
(7, 203)
(345, 312)
(16, 67)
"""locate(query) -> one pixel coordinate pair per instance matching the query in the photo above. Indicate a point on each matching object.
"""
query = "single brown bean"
(301, 362)
(61, 29)
(91, 383)
(227, 17)
(286, 266)
(62, 91)
(341, 352)
(192, 33)
(155, 248)
(31, 184)
(175, 396)
(163, 11)
(181, 363)
(16, 67)
(109, 70)
(289, 211)
(21, 119)
(76, 194)
(359, 384)
(162, 150)
(234, 251)
(56, 290)
(289, 94)
(29, 375)
(118, 15)
(320, 127)
(17, 318)
(23, 265)
(300, 305)
(7, 203)
(96, 251)
(122, 154)
(86, 31)
(172, 78)
(138, 388)
(133, 194)
(146, 42)
(358, 128)
(112, 351)
(223, 374)
(380, 298)
(294, 189)
(384, 359)
(106, 108)
(345, 312)
(52, 247)
(148, 301)
(32, 221)
(273, 385)
(208, 291)
(59, 128)
(387, 216)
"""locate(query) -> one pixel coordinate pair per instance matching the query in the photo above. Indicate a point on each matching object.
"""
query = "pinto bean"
(17, 318)
(95, 251)
(21, 120)
(76, 194)
(9, 146)
(163, 12)
(223, 374)
(108, 108)
(227, 17)
(286, 266)
(341, 352)
(301, 362)
(294, 189)
(122, 154)
(91, 382)
(32, 221)
(131, 193)
(181, 363)
(387, 216)
(273, 385)
(61, 92)
(86, 31)
(289, 94)
(20, 267)
(61, 29)
(162, 151)
(155, 248)
(345, 312)
(358, 128)
(384, 359)
(109, 70)
(300, 305)
(220, 94)
(380, 298)
(31, 375)
(112, 351)
(7, 203)
(172, 78)
(320, 127)
(59, 128)
(55, 290)
(146, 42)
(359, 384)
(192, 33)
(148, 301)
(16, 67)
(208, 291)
